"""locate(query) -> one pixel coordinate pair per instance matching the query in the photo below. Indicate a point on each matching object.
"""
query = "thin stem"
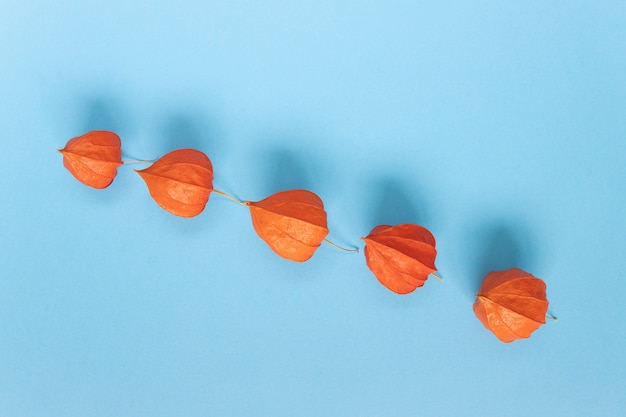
(340, 248)
(551, 317)
(436, 275)
(236, 200)
(137, 161)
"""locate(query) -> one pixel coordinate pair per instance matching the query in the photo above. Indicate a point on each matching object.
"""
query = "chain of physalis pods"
(512, 303)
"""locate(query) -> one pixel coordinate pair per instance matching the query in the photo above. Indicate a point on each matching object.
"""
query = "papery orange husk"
(93, 158)
(180, 181)
(511, 304)
(401, 257)
(293, 223)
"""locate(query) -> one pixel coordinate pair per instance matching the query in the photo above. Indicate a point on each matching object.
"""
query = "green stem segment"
(436, 275)
(341, 248)
(230, 197)
(551, 317)
(137, 161)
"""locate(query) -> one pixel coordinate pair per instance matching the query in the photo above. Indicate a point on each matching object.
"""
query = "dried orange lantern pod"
(180, 181)
(292, 223)
(511, 304)
(401, 257)
(93, 158)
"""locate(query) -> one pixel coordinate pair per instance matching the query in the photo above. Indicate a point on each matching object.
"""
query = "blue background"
(500, 126)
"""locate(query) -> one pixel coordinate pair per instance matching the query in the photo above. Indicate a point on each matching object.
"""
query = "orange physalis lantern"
(93, 158)
(180, 181)
(511, 304)
(401, 257)
(293, 223)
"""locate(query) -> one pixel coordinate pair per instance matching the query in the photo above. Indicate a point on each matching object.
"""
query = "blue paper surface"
(500, 126)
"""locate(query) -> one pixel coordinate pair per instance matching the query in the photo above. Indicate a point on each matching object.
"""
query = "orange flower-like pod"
(93, 158)
(401, 257)
(293, 223)
(511, 304)
(180, 181)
